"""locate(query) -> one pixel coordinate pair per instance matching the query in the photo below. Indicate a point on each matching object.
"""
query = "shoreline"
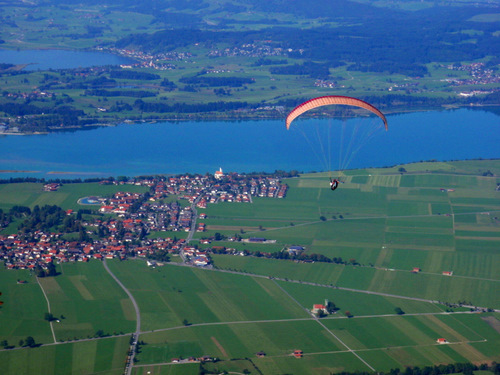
(188, 117)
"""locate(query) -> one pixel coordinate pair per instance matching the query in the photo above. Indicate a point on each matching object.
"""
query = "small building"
(261, 354)
(293, 250)
(442, 341)
(416, 270)
(448, 273)
(257, 239)
(298, 353)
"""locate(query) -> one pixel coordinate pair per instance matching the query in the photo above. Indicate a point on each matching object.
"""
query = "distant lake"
(246, 146)
(60, 59)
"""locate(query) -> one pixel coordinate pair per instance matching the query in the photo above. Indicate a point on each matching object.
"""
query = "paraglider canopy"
(332, 100)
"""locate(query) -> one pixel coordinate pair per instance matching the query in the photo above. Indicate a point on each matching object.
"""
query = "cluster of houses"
(45, 248)
(195, 256)
(480, 75)
(199, 190)
(136, 215)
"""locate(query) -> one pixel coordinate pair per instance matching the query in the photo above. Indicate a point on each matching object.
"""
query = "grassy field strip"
(461, 276)
(291, 320)
(330, 332)
(375, 349)
(422, 346)
(376, 218)
(93, 356)
(48, 307)
(227, 323)
(351, 289)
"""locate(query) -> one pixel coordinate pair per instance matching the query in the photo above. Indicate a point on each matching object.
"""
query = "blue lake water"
(60, 59)
(246, 146)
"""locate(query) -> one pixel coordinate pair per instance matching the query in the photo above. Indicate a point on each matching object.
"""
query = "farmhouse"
(293, 250)
(51, 187)
(298, 353)
(442, 341)
(319, 308)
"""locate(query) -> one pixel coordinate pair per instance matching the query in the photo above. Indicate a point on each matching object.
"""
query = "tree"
(330, 307)
(49, 317)
(399, 311)
(321, 313)
(51, 269)
(99, 333)
(30, 341)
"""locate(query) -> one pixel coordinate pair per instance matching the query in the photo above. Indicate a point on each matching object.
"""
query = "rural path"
(135, 335)
(48, 307)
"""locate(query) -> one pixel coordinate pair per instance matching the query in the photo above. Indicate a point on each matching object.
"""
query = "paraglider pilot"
(334, 183)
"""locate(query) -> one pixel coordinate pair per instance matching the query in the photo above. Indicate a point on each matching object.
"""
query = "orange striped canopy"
(332, 100)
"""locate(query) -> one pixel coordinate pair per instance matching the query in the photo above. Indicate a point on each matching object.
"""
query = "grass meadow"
(376, 334)
(171, 294)
(103, 356)
(480, 292)
(437, 217)
(90, 300)
(23, 311)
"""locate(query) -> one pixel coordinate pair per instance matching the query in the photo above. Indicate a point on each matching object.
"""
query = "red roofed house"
(441, 341)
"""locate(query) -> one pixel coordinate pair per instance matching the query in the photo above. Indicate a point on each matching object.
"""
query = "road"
(135, 335)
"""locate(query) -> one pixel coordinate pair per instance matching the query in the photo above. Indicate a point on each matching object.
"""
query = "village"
(126, 219)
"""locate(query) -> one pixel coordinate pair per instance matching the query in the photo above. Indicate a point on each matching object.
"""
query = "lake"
(60, 59)
(245, 146)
